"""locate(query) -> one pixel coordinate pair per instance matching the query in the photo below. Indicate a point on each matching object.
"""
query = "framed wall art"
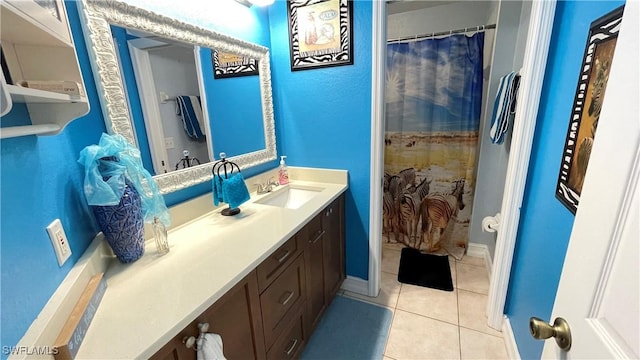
(320, 33)
(226, 65)
(587, 103)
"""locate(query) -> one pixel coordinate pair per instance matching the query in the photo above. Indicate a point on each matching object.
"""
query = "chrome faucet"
(267, 187)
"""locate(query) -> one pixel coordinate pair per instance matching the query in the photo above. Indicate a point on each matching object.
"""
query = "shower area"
(442, 174)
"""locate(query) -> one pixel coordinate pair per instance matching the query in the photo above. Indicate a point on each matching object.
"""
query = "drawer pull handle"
(291, 348)
(317, 237)
(284, 256)
(288, 295)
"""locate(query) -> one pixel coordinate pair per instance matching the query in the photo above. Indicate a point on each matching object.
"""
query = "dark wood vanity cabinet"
(271, 313)
(236, 317)
(333, 247)
(312, 235)
(324, 257)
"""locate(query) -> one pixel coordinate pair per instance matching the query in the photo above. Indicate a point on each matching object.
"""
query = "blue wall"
(42, 181)
(324, 120)
(545, 224)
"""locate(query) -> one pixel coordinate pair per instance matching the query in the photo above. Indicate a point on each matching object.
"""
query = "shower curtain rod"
(450, 32)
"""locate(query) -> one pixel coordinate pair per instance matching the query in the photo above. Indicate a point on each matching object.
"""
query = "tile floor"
(435, 324)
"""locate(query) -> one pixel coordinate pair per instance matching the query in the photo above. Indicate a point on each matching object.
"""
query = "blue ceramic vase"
(123, 225)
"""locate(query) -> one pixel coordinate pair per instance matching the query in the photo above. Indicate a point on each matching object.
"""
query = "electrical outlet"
(59, 241)
(168, 143)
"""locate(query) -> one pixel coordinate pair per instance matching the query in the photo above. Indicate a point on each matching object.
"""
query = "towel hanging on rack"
(504, 106)
(190, 111)
(210, 347)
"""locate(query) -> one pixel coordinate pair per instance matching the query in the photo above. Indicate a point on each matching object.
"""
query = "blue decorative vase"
(123, 225)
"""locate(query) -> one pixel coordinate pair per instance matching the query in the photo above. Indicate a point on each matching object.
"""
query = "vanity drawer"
(311, 232)
(282, 299)
(292, 341)
(271, 267)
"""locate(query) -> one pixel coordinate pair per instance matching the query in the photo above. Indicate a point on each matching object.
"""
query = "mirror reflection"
(237, 110)
(188, 103)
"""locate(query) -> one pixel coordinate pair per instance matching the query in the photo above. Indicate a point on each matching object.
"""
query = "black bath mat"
(426, 270)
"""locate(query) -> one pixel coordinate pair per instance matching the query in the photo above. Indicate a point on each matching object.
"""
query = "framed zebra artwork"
(587, 103)
(320, 33)
(226, 65)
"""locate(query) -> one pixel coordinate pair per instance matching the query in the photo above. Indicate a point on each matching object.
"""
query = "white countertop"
(151, 300)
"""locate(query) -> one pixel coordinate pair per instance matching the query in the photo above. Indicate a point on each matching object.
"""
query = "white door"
(599, 289)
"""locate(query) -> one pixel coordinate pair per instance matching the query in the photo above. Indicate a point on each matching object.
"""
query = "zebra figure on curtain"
(389, 216)
(408, 176)
(391, 205)
(437, 210)
(395, 186)
(410, 209)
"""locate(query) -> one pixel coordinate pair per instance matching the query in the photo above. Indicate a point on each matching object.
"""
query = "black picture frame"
(587, 103)
(226, 65)
(320, 33)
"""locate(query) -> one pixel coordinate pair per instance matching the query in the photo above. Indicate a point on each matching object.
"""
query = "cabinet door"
(48, 15)
(333, 247)
(313, 236)
(175, 349)
(236, 317)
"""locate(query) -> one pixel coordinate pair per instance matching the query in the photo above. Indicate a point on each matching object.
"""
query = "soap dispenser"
(283, 173)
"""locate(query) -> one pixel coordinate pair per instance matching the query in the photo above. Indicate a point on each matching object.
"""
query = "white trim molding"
(481, 251)
(96, 17)
(357, 285)
(510, 340)
(532, 78)
(378, 51)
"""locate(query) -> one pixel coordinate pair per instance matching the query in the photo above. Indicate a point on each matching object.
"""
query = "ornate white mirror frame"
(98, 15)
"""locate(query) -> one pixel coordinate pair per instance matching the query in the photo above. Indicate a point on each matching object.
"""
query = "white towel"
(210, 347)
(504, 106)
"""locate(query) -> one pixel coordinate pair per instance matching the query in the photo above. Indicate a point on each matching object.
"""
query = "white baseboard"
(481, 250)
(356, 285)
(510, 340)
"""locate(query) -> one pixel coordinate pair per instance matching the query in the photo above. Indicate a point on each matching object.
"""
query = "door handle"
(559, 330)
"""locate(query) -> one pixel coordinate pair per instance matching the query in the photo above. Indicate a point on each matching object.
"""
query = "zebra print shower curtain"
(433, 107)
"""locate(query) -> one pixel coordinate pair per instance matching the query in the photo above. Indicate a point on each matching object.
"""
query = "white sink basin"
(290, 197)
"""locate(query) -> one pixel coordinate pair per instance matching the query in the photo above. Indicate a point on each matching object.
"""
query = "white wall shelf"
(15, 131)
(37, 45)
(21, 94)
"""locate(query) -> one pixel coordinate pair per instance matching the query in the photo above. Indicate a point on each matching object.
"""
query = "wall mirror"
(227, 125)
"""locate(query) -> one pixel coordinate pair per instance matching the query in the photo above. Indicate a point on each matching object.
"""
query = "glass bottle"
(160, 234)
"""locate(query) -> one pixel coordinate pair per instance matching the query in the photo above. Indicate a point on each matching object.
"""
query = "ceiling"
(400, 6)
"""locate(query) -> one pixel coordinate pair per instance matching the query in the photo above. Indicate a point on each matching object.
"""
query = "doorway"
(534, 44)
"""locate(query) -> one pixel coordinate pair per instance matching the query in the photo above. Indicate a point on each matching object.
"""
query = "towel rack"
(192, 341)
(228, 167)
(224, 167)
(187, 161)
(164, 98)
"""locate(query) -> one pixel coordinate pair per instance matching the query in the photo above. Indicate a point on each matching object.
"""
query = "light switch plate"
(59, 241)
